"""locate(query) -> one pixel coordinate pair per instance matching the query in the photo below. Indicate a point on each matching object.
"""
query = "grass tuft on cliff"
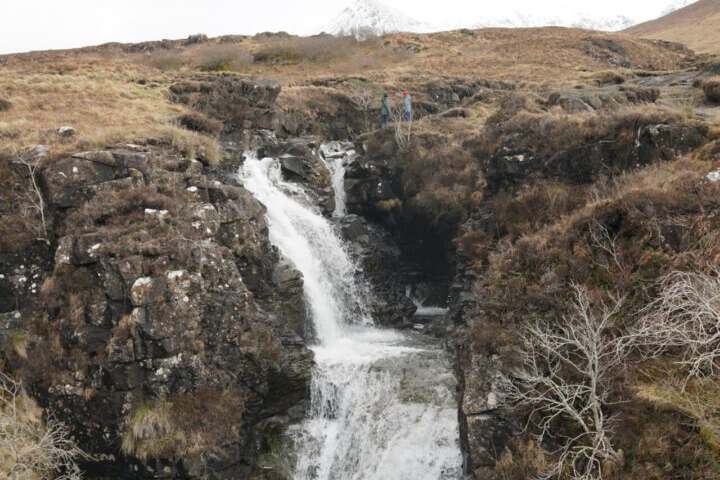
(184, 425)
(33, 445)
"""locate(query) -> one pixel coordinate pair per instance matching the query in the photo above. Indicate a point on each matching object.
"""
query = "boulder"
(66, 180)
(66, 132)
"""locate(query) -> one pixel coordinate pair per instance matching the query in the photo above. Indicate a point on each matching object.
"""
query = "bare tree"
(403, 127)
(602, 239)
(31, 447)
(568, 371)
(35, 198)
(685, 318)
(363, 99)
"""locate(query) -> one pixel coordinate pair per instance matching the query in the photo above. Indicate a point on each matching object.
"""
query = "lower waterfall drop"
(383, 404)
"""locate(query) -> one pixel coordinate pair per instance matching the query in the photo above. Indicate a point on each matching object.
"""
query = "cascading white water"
(425, 310)
(336, 156)
(383, 404)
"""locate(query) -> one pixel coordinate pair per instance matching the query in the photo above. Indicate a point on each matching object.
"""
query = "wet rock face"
(165, 292)
(626, 148)
(382, 266)
(301, 162)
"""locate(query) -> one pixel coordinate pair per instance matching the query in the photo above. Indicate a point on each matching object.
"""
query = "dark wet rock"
(301, 161)
(381, 261)
(239, 103)
(5, 105)
(164, 287)
(608, 98)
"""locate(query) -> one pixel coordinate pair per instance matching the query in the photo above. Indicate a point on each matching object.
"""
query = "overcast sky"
(46, 24)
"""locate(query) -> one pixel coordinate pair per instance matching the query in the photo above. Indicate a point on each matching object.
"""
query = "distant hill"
(696, 25)
(367, 18)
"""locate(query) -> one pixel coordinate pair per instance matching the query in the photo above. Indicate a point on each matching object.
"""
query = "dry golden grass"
(100, 97)
(185, 425)
(109, 95)
(32, 446)
(697, 26)
(698, 400)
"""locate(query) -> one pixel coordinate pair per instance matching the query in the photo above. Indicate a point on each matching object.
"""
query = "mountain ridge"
(696, 25)
(367, 18)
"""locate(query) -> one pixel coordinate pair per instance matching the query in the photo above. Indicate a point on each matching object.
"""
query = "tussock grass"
(33, 446)
(184, 425)
(711, 88)
(698, 400)
(103, 102)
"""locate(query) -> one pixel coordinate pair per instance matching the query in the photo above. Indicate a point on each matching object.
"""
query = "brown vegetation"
(197, 122)
(33, 446)
(186, 425)
(695, 26)
(711, 88)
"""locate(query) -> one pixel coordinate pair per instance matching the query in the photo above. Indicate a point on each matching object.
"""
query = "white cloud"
(46, 24)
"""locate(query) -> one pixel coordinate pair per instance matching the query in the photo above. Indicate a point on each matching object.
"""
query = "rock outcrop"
(166, 298)
(164, 327)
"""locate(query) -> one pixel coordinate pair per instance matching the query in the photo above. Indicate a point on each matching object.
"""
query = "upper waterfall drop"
(383, 404)
(337, 156)
(308, 240)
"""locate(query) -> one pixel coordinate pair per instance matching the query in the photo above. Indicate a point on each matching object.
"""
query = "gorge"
(383, 405)
(221, 270)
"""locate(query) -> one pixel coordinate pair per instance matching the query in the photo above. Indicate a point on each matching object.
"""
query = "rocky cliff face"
(167, 332)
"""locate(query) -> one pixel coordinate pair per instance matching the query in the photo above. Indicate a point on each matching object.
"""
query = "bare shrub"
(711, 88)
(221, 58)
(164, 60)
(198, 122)
(403, 128)
(316, 49)
(5, 105)
(34, 197)
(566, 386)
(685, 318)
(604, 241)
(364, 99)
(30, 447)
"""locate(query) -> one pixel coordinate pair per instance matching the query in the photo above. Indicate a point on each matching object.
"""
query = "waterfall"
(337, 155)
(425, 310)
(383, 404)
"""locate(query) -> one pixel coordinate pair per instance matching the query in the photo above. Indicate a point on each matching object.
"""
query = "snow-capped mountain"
(574, 20)
(368, 18)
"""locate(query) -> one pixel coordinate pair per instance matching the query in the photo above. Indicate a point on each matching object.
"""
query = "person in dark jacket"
(407, 106)
(385, 111)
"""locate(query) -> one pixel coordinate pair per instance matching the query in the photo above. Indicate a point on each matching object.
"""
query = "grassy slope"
(697, 26)
(110, 95)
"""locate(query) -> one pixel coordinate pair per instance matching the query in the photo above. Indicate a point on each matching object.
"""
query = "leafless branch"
(363, 99)
(403, 128)
(568, 370)
(35, 197)
(685, 318)
(601, 239)
(31, 447)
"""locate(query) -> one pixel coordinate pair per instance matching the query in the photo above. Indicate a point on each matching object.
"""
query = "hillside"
(188, 226)
(697, 26)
